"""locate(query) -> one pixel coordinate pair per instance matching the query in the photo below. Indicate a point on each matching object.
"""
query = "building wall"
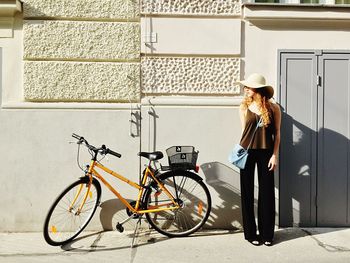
(190, 62)
(270, 29)
(80, 62)
(170, 67)
(64, 70)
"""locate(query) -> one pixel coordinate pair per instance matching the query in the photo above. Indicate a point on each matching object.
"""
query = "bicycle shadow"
(92, 242)
(112, 212)
(225, 182)
(98, 242)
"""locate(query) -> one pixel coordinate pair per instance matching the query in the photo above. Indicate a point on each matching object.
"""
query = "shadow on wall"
(295, 181)
(308, 161)
(1, 77)
(225, 214)
(225, 181)
(112, 212)
(32, 10)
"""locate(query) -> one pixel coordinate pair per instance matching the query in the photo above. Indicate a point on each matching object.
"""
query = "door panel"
(315, 159)
(333, 141)
(298, 140)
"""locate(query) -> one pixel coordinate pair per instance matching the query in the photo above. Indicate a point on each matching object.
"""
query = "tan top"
(263, 138)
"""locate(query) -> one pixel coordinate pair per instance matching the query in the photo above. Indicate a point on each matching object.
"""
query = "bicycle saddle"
(152, 156)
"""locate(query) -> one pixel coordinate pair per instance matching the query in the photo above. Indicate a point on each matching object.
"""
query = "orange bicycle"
(174, 198)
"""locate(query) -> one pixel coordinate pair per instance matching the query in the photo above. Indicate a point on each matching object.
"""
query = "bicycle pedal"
(119, 228)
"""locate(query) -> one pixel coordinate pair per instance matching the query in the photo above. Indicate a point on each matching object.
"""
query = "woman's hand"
(277, 136)
(272, 163)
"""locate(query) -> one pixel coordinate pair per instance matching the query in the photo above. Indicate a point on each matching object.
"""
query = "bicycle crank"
(132, 214)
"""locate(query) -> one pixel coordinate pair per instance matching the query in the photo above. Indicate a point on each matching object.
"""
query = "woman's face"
(249, 92)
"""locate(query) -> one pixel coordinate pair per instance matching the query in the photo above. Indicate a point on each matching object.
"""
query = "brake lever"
(76, 142)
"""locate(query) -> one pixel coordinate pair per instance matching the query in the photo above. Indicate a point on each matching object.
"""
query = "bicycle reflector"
(200, 208)
(157, 193)
(197, 168)
(53, 229)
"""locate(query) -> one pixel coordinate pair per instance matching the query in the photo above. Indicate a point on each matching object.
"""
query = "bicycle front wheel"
(64, 221)
(194, 200)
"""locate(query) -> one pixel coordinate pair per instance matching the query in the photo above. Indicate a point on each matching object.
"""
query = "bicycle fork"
(71, 207)
(87, 193)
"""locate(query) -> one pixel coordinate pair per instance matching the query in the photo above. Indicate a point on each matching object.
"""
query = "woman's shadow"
(313, 176)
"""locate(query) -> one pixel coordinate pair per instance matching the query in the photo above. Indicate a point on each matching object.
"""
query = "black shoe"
(268, 243)
(255, 241)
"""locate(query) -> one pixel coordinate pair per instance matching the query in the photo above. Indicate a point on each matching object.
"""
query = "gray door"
(314, 167)
(333, 141)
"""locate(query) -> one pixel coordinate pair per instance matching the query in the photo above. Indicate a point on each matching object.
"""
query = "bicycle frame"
(173, 205)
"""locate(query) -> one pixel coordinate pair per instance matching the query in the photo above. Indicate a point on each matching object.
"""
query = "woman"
(263, 152)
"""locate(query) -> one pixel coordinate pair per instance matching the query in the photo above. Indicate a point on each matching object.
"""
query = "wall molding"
(220, 101)
(8, 10)
(164, 101)
(257, 12)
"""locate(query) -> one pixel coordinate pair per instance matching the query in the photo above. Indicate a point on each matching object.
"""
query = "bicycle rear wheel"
(193, 197)
(63, 223)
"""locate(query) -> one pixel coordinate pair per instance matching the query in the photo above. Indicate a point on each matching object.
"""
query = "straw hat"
(257, 81)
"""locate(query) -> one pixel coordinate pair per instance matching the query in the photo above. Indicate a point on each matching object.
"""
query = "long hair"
(262, 103)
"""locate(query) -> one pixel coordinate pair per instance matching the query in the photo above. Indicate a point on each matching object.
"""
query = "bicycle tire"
(62, 225)
(194, 198)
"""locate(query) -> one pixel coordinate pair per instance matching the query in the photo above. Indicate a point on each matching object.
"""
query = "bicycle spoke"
(194, 201)
(62, 224)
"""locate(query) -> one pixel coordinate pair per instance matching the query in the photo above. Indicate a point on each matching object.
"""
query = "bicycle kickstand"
(138, 224)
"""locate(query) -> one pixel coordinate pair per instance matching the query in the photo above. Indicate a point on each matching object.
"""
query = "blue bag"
(239, 155)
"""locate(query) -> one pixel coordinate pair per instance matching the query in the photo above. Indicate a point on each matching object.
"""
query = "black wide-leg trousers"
(266, 196)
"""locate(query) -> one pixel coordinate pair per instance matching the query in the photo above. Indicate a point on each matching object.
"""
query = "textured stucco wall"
(190, 75)
(191, 47)
(81, 81)
(111, 9)
(81, 50)
(81, 40)
(80, 33)
(191, 7)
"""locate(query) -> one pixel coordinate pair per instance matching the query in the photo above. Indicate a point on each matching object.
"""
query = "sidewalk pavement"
(291, 245)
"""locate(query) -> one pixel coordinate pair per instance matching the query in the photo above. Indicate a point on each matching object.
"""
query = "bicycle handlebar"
(102, 149)
(109, 151)
(76, 136)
